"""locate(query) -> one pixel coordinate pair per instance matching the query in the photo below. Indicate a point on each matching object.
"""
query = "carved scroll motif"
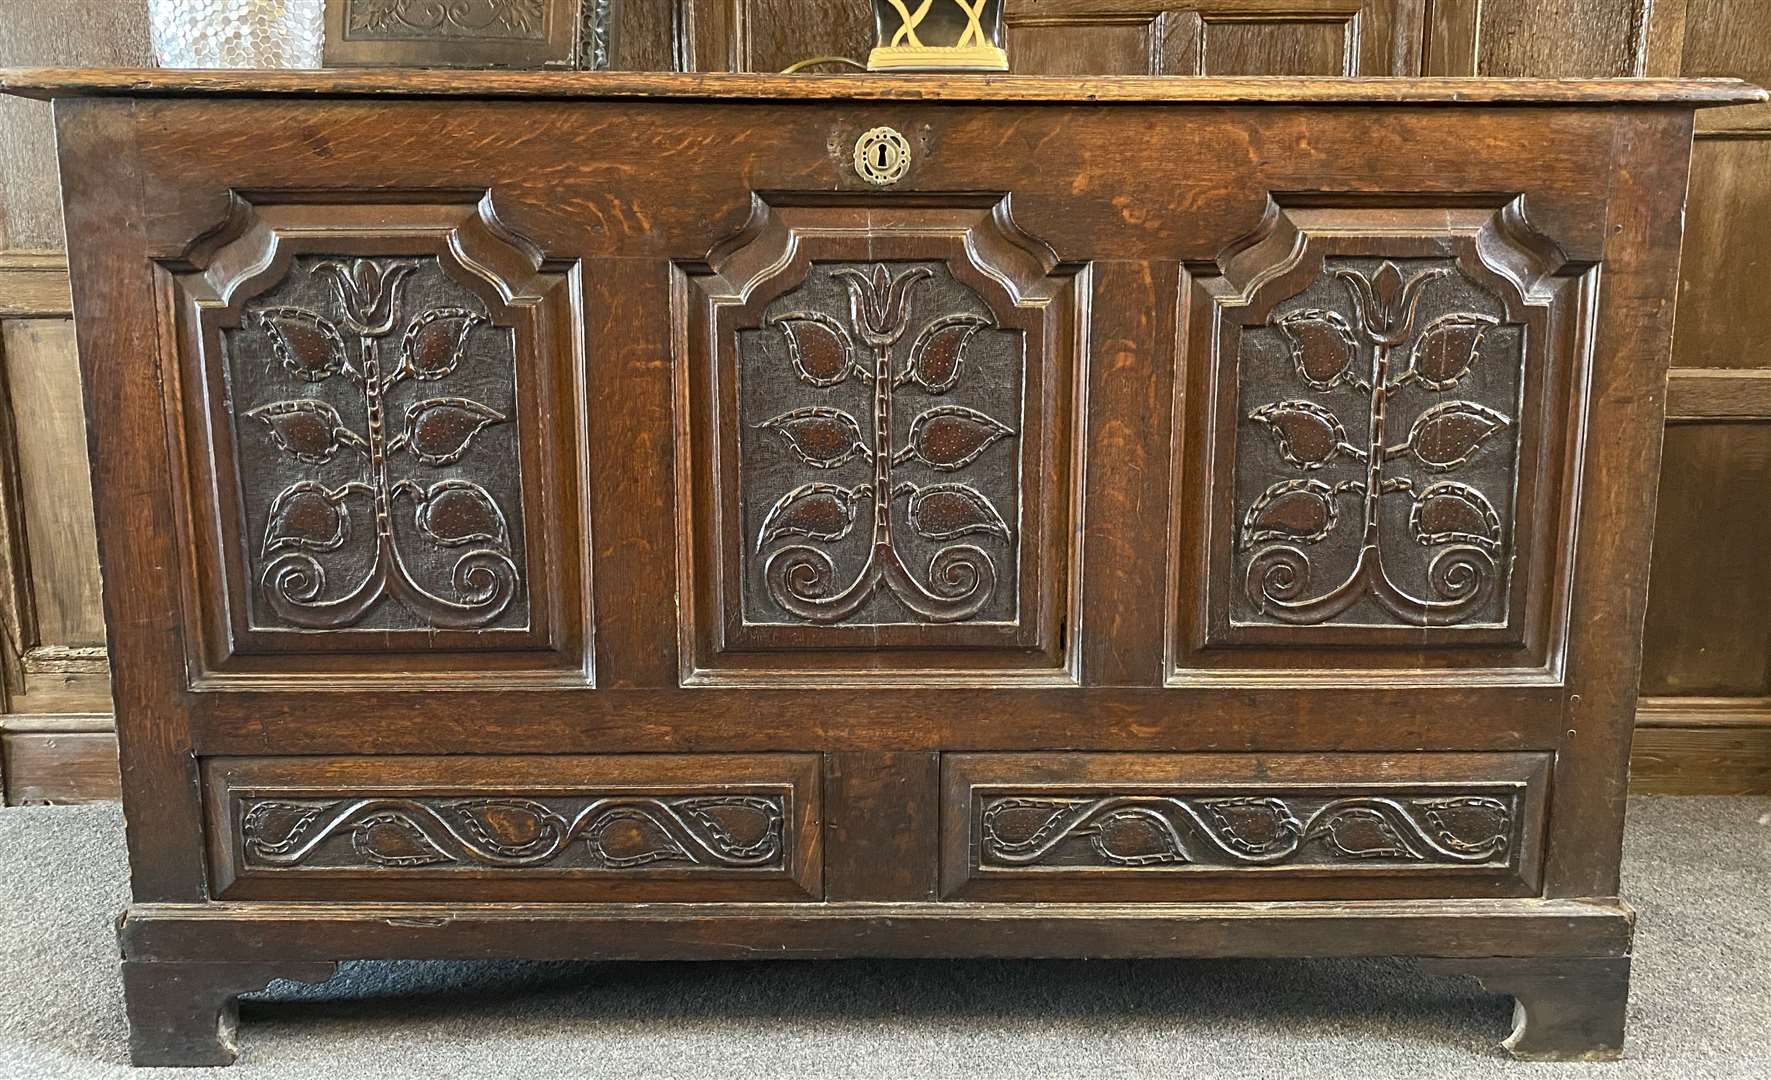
(1386, 399)
(472, 19)
(1154, 831)
(515, 833)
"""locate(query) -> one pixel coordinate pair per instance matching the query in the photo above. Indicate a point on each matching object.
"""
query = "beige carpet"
(1698, 870)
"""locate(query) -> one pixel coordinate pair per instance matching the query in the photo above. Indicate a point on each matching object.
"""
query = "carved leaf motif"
(1448, 434)
(1447, 348)
(1471, 824)
(1361, 832)
(1017, 825)
(1447, 513)
(816, 511)
(818, 435)
(438, 430)
(305, 516)
(946, 511)
(456, 512)
(1322, 346)
(1309, 435)
(950, 437)
(511, 828)
(395, 840)
(1253, 826)
(817, 345)
(1137, 836)
(275, 828)
(1301, 511)
(308, 345)
(632, 838)
(309, 430)
(938, 355)
(436, 341)
(742, 826)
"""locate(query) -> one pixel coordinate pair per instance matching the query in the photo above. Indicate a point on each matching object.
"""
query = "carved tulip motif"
(311, 517)
(1356, 353)
(825, 350)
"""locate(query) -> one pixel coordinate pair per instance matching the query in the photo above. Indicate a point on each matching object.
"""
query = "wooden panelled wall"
(1705, 722)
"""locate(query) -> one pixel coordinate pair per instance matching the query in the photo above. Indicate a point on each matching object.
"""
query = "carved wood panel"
(1377, 450)
(465, 33)
(883, 456)
(516, 20)
(1104, 822)
(514, 832)
(669, 826)
(372, 471)
(884, 404)
(1345, 828)
(1379, 466)
(374, 406)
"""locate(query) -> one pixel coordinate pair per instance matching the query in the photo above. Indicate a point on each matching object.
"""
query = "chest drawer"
(535, 828)
(1159, 827)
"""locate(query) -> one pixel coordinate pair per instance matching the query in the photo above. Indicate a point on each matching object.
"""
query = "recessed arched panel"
(371, 391)
(1379, 459)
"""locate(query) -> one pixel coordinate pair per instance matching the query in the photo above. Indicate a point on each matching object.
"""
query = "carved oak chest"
(693, 516)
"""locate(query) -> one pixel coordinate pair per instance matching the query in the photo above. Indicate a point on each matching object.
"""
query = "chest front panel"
(1078, 512)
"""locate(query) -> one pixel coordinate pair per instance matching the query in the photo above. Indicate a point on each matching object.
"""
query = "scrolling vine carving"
(1152, 831)
(447, 18)
(389, 329)
(513, 833)
(823, 350)
(1393, 351)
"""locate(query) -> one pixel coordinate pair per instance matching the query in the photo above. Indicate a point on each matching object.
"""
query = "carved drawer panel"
(381, 440)
(1274, 826)
(628, 827)
(880, 405)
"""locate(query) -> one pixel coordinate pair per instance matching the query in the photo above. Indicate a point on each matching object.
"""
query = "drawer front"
(1155, 827)
(640, 827)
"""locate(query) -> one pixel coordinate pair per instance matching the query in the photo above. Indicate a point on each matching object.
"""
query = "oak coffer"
(670, 516)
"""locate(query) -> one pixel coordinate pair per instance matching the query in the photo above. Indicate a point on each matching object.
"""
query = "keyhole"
(882, 156)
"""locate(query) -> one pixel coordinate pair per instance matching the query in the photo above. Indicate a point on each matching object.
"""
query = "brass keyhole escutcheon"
(882, 156)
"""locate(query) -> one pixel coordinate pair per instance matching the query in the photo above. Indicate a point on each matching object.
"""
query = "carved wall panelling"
(362, 401)
(884, 451)
(465, 33)
(1381, 471)
(1153, 826)
(668, 826)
